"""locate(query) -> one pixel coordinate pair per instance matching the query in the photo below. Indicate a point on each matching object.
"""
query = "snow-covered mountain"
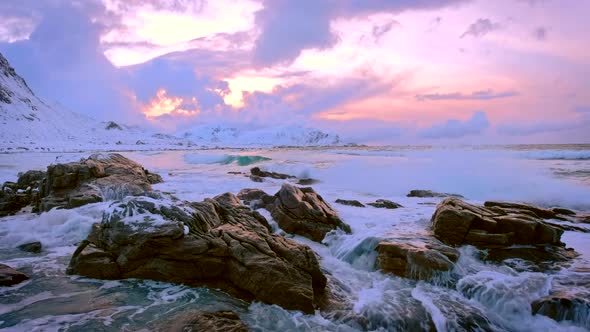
(276, 136)
(29, 123)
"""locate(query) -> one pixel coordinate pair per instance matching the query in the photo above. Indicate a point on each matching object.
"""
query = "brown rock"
(91, 180)
(256, 171)
(199, 321)
(228, 246)
(415, 260)
(564, 306)
(255, 198)
(302, 211)
(385, 204)
(350, 202)
(456, 222)
(10, 276)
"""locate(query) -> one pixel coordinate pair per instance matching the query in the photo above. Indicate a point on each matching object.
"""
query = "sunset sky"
(373, 71)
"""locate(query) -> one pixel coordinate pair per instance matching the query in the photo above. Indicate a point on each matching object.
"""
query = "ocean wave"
(558, 155)
(194, 158)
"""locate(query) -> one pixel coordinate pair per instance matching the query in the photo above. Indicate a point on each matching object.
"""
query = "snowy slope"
(276, 136)
(28, 123)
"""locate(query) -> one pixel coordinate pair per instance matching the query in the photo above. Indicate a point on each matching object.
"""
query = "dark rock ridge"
(385, 204)
(34, 247)
(258, 175)
(304, 212)
(95, 179)
(10, 276)
(416, 260)
(348, 202)
(111, 125)
(225, 245)
(430, 193)
(196, 320)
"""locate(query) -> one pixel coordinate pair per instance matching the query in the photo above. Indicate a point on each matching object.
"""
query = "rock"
(34, 247)
(256, 171)
(350, 202)
(456, 222)
(153, 178)
(307, 182)
(302, 211)
(420, 261)
(256, 178)
(430, 193)
(385, 204)
(199, 321)
(30, 179)
(255, 198)
(543, 257)
(16, 195)
(100, 177)
(523, 208)
(216, 243)
(112, 126)
(564, 306)
(10, 276)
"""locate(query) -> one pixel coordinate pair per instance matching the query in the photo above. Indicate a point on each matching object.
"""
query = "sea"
(497, 294)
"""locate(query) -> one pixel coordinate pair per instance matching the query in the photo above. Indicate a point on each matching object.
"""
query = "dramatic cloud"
(289, 27)
(480, 28)
(477, 95)
(456, 128)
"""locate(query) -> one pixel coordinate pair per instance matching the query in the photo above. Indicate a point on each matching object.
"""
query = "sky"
(372, 71)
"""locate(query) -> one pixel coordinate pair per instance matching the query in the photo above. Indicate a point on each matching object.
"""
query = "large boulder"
(456, 222)
(421, 261)
(216, 243)
(10, 276)
(302, 211)
(95, 179)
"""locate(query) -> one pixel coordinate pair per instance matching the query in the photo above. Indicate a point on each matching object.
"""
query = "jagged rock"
(256, 171)
(16, 195)
(302, 211)
(30, 179)
(385, 204)
(352, 202)
(199, 321)
(456, 222)
(430, 193)
(34, 247)
(534, 211)
(415, 260)
(563, 306)
(216, 243)
(10, 276)
(93, 180)
(255, 198)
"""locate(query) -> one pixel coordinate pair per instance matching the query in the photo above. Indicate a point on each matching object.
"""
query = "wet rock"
(543, 257)
(256, 178)
(385, 204)
(255, 198)
(420, 261)
(16, 195)
(10, 276)
(30, 179)
(34, 247)
(302, 211)
(430, 193)
(92, 180)
(216, 243)
(256, 171)
(564, 306)
(352, 202)
(199, 321)
(456, 222)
